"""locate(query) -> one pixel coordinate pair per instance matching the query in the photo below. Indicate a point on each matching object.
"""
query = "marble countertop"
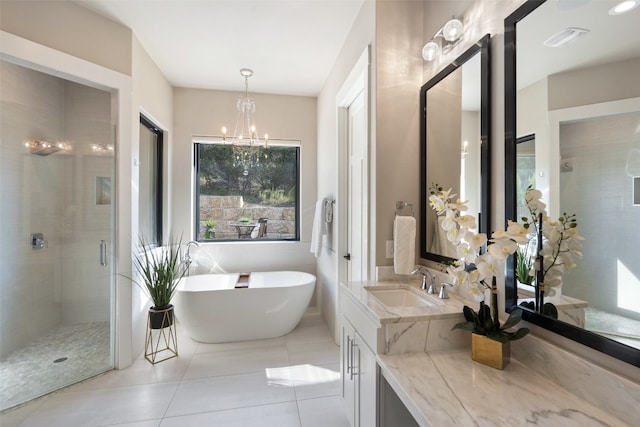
(448, 388)
(439, 308)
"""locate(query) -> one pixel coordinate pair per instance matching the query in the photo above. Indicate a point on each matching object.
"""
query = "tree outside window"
(261, 204)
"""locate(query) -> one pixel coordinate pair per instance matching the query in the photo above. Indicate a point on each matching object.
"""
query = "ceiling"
(291, 45)
(610, 38)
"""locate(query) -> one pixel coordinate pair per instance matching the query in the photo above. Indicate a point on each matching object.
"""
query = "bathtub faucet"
(186, 259)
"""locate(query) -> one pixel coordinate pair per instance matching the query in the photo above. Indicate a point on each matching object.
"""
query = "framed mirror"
(574, 110)
(454, 144)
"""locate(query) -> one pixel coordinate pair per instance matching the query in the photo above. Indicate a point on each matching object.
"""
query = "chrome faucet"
(431, 289)
(186, 259)
(443, 291)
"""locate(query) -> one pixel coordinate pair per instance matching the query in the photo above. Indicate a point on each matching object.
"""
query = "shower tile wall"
(599, 190)
(53, 195)
(30, 286)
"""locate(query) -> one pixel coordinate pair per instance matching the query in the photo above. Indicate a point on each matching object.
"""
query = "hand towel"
(317, 230)
(440, 244)
(404, 244)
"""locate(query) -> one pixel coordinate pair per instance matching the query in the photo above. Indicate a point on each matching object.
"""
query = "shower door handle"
(103, 253)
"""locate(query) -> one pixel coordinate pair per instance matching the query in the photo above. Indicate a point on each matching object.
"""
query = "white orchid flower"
(553, 281)
(460, 205)
(467, 221)
(454, 235)
(475, 240)
(487, 265)
(436, 203)
(474, 276)
(466, 253)
(449, 222)
(502, 248)
(517, 232)
(533, 194)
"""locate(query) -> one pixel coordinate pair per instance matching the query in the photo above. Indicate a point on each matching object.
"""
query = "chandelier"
(245, 141)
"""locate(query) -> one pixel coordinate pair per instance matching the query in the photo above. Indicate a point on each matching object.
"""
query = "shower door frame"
(35, 56)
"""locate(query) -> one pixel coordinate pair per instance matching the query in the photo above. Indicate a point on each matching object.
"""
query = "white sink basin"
(400, 297)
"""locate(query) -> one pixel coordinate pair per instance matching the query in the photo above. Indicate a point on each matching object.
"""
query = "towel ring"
(402, 205)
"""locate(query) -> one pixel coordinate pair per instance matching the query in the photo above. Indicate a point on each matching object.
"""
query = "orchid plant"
(561, 244)
(473, 272)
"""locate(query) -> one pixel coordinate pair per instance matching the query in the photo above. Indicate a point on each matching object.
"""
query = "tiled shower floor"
(62, 357)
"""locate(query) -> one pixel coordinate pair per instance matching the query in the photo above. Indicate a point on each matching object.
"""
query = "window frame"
(200, 141)
(154, 129)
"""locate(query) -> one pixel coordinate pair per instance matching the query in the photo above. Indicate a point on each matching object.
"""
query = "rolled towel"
(317, 230)
(404, 244)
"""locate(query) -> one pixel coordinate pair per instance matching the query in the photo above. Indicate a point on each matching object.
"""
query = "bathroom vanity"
(402, 365)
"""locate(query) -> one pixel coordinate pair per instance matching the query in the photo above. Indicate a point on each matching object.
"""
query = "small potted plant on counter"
(490, 340)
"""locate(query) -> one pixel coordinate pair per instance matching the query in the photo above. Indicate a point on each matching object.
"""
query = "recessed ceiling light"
(564, 37)
(624, 7)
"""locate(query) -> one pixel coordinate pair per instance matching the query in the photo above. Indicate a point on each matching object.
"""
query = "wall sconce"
(444, 40)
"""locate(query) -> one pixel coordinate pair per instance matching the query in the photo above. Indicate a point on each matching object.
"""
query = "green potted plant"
(490, 340)
(210, 229)
(159, 270)
(524, 266)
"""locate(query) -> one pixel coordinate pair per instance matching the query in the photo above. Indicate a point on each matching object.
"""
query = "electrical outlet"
(389, 248)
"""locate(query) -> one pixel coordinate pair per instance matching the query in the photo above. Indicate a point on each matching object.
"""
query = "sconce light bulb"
(452, 30)
(430, 51)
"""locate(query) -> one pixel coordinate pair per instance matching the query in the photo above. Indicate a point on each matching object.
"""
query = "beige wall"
(152, 95)
(360, 36)
(609, 82)
(204, 113)
(399, 25)
(69, 28)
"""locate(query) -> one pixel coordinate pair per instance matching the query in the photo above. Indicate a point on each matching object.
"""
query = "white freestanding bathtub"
(212, 310)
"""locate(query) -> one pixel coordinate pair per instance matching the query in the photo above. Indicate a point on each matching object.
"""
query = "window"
(150, 182)
(259, 203)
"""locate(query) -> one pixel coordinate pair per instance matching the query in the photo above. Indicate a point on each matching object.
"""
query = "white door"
(357, 215)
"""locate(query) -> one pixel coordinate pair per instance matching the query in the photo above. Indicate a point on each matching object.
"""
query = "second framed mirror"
(455, 122)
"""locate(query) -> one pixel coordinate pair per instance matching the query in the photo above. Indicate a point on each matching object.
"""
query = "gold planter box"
(490, 352)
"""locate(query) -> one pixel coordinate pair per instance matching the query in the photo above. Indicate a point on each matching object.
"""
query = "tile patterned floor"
(288, 381)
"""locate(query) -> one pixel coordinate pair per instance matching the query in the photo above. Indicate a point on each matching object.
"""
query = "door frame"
(356, 82)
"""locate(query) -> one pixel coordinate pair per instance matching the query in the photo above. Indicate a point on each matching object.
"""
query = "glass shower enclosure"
(57, 198)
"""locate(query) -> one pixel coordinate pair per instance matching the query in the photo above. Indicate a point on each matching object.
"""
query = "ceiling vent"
(564, 37)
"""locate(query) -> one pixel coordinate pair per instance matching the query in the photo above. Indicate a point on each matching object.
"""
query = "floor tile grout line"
(295, 392)
(227, 409)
